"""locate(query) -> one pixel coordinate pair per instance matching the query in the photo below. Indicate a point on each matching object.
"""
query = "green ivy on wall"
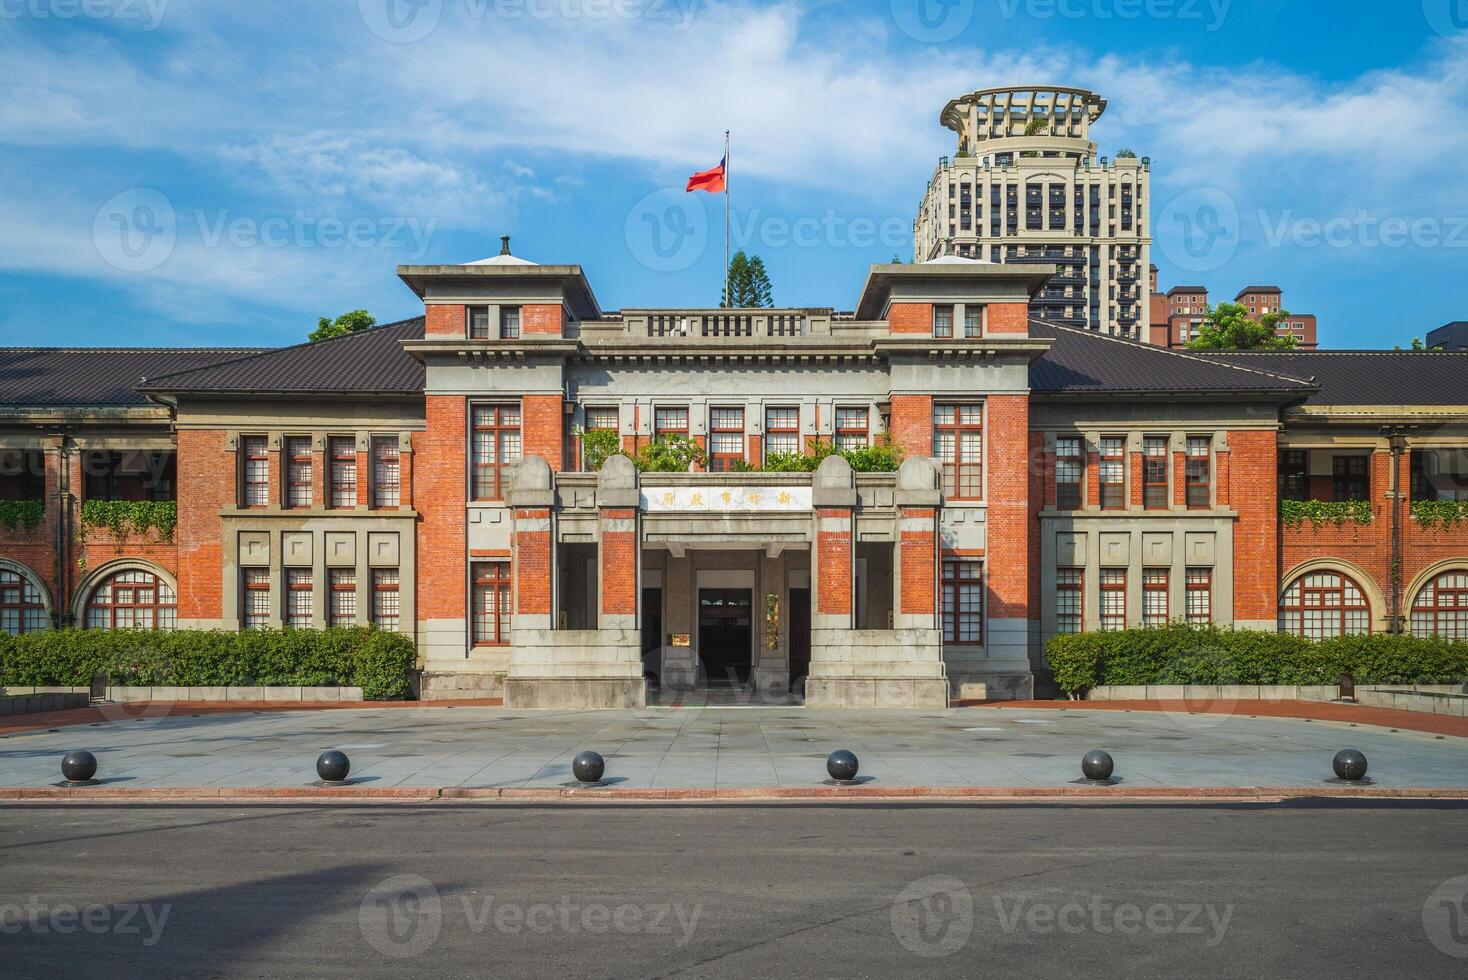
(22, 514)
(1440, 513)
(1294, 513)
(125, 518)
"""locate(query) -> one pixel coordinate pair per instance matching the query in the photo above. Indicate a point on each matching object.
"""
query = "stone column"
(833, 572)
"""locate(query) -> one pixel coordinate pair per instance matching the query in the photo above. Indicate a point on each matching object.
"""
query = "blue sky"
(199, 172)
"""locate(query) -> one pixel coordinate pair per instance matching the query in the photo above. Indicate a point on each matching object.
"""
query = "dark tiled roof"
(372, 361)
(1368, 377)
(1258, 289)
(1085, 361)
(97, 377)
(1187, 289)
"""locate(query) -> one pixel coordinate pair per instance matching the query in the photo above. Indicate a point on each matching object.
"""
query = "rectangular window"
(1200, 472)
(299, 598)
(299, 462)
(385, 598)
(958, 444)
(491, 603)
(496, 449)
(1154, 473)
(255, 461)
(942, 321)
(1068, 599)
(973, 321)
(478, 323)
(1200, 596)
(670, 422)
(509, 323)
(963, 600)
(341, 609)
(1294, 474)
(1154, 597)
(851, 428)
(1350, 477)
(1113, 598)
(1113, 472)
(726, 438)
(255, 603)
(782, 431)
(387, 473)
(343, 463)
(1070, 471)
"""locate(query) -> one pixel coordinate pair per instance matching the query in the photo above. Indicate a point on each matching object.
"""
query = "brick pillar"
(1008, 541)
(1180, 479)
(319, 462)
(208, 473)
(364, 470)
(440, 472)
(276, 486)
(833, 567)
(911, 425)
(1093, 479)
(405, 474)
(620, 548)
(1253, 493)
(917, 567)
(1134, 463)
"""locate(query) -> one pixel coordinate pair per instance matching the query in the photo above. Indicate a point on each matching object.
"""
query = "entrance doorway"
(725, 635)
(799, 621)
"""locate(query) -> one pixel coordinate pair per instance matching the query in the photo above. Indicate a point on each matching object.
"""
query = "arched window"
(1320, 605)
(22, 609)
(133, 599)
(1441, 607)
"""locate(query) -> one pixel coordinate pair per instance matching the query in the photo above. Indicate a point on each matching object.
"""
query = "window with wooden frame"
(255, 598)
(1322, 605)
(509, 323)
(958, 444)
(1113, 599)
(973, 321)
(598, 418)
(1070, 472)
(1441, 607)
(497, 443)
(478, 322)
(341, 602)
(254, 471)
(1155, 454)
(1350, 477)
(963, 600)
(387, 472)
(782, 430)
(942, 321)
(342, 470)
(1113, 473)
(300, 598)
(1069, 600)
(1200, 472)
(491, 599)
(1154, 597)
(726, 438)
(1200, 596)
(1294, 474)
(22, 609)
(670, 421)
(853, 427)
(299, 463)
(385, 598)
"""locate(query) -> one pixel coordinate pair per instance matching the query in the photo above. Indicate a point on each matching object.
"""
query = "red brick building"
(439, 476)
(1179, 314)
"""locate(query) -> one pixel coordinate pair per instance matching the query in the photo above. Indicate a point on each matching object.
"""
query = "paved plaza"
(723, 748)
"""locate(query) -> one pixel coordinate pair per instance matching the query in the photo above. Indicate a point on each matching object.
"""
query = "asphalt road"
(855, 890)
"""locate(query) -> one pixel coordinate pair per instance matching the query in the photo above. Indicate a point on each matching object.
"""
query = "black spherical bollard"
(79, 767)
(333, 766)
(842, 765)
(1097, 765)
(1349, 764)
(589, 767)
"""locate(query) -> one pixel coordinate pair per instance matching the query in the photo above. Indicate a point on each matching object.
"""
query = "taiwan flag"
(709, 180)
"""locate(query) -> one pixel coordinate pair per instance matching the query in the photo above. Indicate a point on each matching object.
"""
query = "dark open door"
(725, 632)
(799, 639)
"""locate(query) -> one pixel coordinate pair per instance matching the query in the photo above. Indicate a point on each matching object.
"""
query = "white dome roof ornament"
(504, 258)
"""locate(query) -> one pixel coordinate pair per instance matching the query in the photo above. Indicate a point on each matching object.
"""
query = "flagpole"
(727, 298)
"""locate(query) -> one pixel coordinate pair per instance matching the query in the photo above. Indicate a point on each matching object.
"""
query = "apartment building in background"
(1027, 185)
(1450, 336)
(1184, 308)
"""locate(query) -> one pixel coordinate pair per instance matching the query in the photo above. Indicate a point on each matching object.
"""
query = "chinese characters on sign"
(716, 500)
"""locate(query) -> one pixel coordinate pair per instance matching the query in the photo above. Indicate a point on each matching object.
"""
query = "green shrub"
(669, 454)
(1319, 512)
(597, 446)
(1443, 514)
(1182, 654)
(378, 662)
(128, 517)
(22, 514)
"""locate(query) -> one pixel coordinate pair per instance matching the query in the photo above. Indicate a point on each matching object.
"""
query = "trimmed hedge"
(376, 661)
(1181, 654)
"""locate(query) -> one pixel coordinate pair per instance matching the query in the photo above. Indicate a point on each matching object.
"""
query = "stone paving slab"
(721, 749)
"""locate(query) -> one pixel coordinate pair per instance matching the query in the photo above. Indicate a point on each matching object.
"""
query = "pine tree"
(748, 285)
